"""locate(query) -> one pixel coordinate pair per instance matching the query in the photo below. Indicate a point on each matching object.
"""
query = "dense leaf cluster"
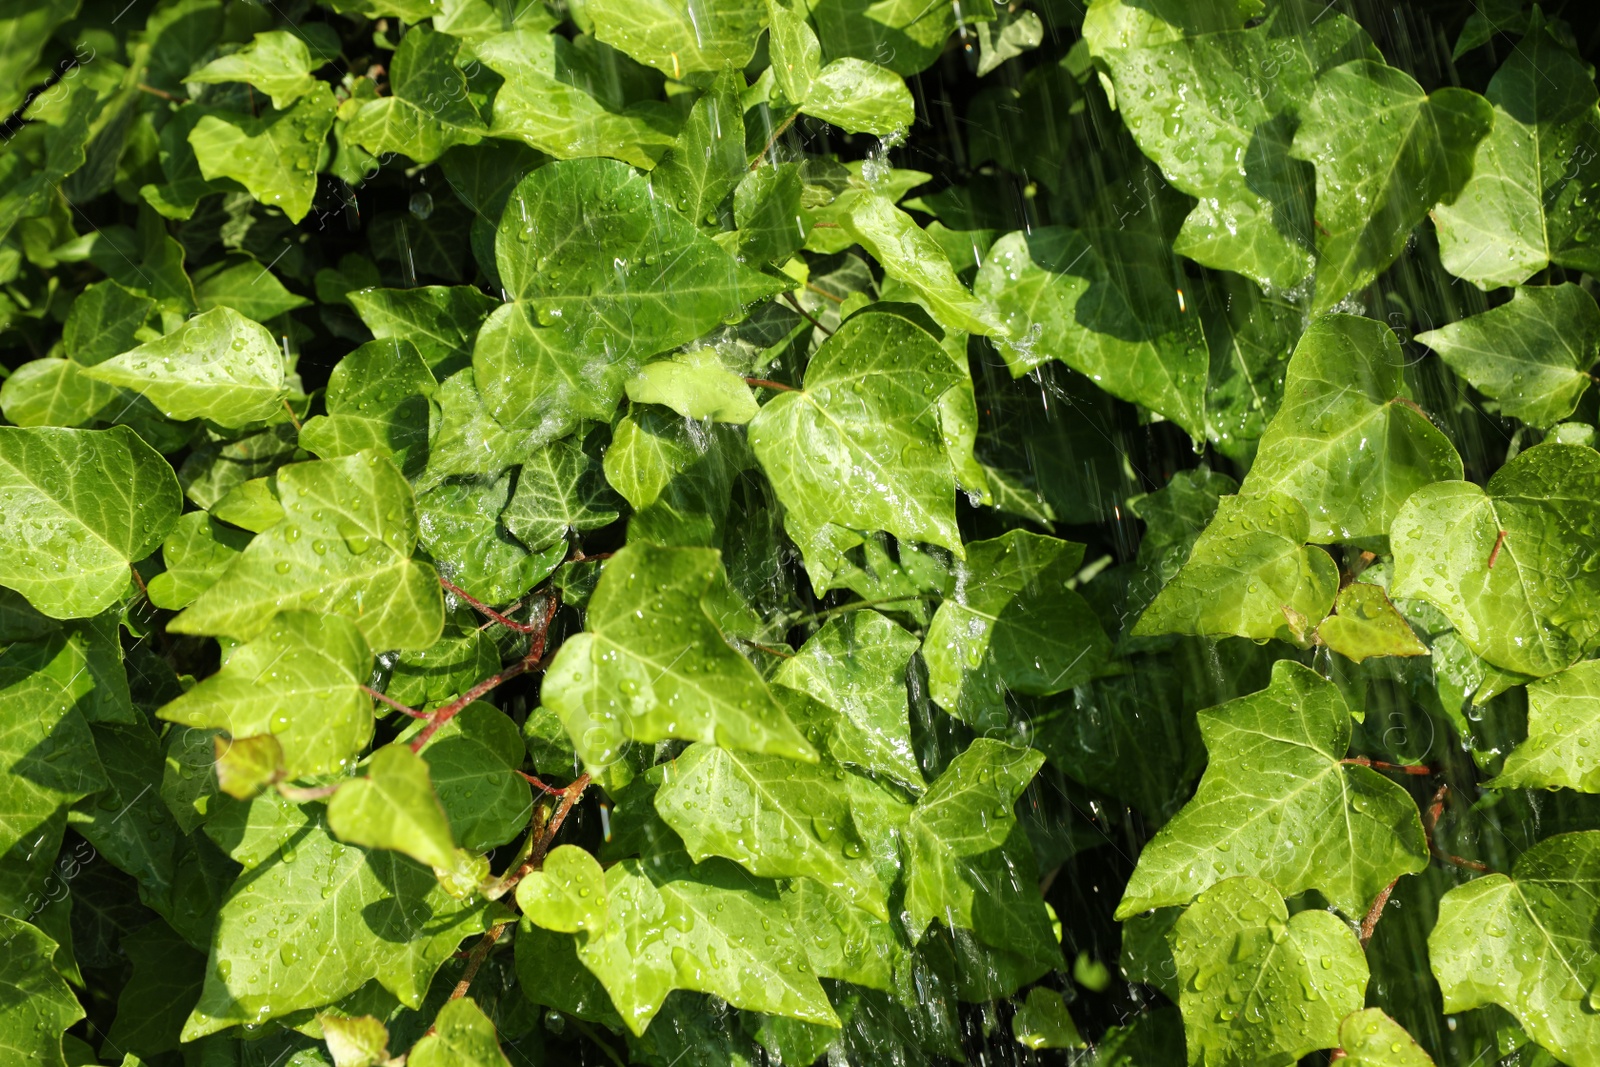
(753, 532)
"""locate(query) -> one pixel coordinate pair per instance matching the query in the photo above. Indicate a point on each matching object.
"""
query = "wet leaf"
(1365, 624)
(1372, 1039)
(274, 156)
(276, 62)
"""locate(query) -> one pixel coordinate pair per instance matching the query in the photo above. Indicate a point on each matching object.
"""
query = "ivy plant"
(743, 533)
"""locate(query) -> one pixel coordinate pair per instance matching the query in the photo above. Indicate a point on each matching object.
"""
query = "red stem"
(1379, 765)
(395, 704)
(1430, 823)
(440, 716)
(481, 607)
(1494, 554)
(768, 383)
(1375, 913)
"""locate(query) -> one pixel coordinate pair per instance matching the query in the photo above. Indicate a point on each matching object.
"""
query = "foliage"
(734, 532)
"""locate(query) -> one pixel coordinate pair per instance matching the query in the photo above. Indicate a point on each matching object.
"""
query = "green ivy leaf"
(567, 894)
(247, 287)
(695, 384)
(860, 448)
(462, 1036)
(560, 491)
(387, 916)
(1366, 624)
(909, 255)
(393, 806)
(219, 366)
(654, 664)
(1563, 722)
(633, 279)
(707, 928)
(1259, 984)
(48, 752)
(1044, 1022)
(766, 208)
(539, 106)
(361, 1041)
(302, 683)
(345, 547)
(1370, 1038)
(1215, 106)
(276, 62)
(773, 816)
(705, 163)
(1526, 942)
(1533, 355)
(1249, 568)
(1276, 774)
(96, 501)
(1535, 609)
(54, 392)
(38, 1003)
(377, 398)
(436, 318)
(1104, 302)
(1377, 179)
(677, 38)
(856, 664)
(1012, 625)
(196, 554)
(1526, 204)
(1347, 443)
(437, 674)
(460, 526)
(429, 108)
(274, 156)
(104, 321)
(472, 762)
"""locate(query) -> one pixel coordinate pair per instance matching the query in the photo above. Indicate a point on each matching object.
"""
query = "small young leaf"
(1370, 1038)
(275, 156)
(1365, 624)
(567, 894)
(1044, 1022)
(359, 1042)
(38, 1003)
(462, 1036)
(394, 806)
(276, 62)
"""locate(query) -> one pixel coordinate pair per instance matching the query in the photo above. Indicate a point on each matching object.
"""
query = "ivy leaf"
(539, 105)
(695, 384)
(766, 208)
(38, 1004)
(966, 813)
(1370, 1038)
(629, 279)
(429, 108)
(1534, 610)
(48, 752)
(707, 928)
(908, 254)
(678, 38)
(460, 526)
(247, 287)
(1247, 567)
(394, 807)
(1526, 942)
(104, 321)
(54, 392)
(439, 318)
(1012, 625)
(773, 816)
(1525, 205)
(1375, 181)
(856, 665)
(1044, 1022)
(274, 156)
(567, 894)
(462, 1036)
(196, 554)
(1365, 624)
(560, 491)
(703, 166)
(276, 62)
(472, 761)
(1563, 722)
(860, 448)
(219, 366)
(1347, 443)
(1533, 355)
(386, 915)
(301, 682)
(1102, 302)
(377, 398)
(95, 501)
(654, 664)
(437, 674)
(1276, 780)
(1214, 106)
(361, 1041)
(1248, 971)
(860, 97)
(345, 548)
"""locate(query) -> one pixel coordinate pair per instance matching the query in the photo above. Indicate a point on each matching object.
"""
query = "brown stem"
(771, 651)
(806, 314)
(823, 292)
(440, 716)
(1494, 553)
(579, 557)
(767, 383)
(1375, 912)
(531, 780)
(153, 91)
(484, 609)
(138, 580)
(293, 418)
(480, 952)
(777, 133)
(1379, 765)
(395, 704)
(301, 795)
(1430, 823)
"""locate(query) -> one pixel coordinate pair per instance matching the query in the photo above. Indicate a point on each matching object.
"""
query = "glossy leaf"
(277, 62)
(1533, 355)
(1364, 623)
(1258, 982)
(83, 505)
(1522, 599)
(429, 109)
(567, 894)
(1277, 803)
(377, 398)
(677, 38)
(393, 806)
(463, 1036)
(275, 156)
(38, 1003)
(1372, 1039)
(1348, 443)
(1563, 720)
